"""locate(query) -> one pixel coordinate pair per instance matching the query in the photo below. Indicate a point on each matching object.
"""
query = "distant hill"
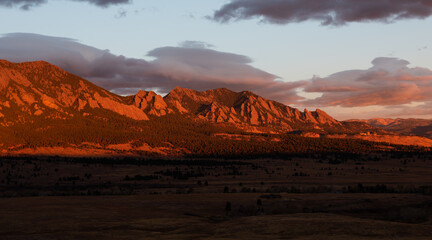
(46, 110)
(410, 126)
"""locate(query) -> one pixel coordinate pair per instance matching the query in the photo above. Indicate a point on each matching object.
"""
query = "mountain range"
(411, 126)
(41, 89)
(45, 107)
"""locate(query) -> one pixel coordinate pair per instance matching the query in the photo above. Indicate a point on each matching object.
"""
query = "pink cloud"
(388, 82)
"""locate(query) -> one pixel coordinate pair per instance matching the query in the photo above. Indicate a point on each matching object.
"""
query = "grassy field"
(202, 216)
(378, 196)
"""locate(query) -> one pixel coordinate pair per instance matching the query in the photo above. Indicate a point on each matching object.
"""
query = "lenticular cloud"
(191, 65)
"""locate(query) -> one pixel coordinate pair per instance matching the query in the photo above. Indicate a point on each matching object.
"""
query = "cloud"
(27, 4)
(196, 44)
(105, 3)
(389, 82)
(191, 65)
(423, 110)
(328, 12)
(22, 4)
(121, 13)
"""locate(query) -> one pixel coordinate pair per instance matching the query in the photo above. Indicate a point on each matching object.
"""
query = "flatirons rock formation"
(225, 106)
(34, 89)
(150, 103)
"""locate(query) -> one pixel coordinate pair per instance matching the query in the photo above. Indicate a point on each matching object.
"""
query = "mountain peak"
(248, 93)
(150, 102)
(41, 89)
(33, 64)
(181, 90)
(177, 89)
(2, 61)
(222, 89)
(219, 91)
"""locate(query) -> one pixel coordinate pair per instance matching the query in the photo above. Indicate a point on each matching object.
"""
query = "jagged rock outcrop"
(42, 89)
(150, 103)
(323, 118)
(222, 105)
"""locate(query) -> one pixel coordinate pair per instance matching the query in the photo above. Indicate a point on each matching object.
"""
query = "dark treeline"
(239, 160)
(129, 161)
(193, 138)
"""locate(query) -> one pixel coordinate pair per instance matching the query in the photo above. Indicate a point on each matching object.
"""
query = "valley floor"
(332, 196)
(201, 216)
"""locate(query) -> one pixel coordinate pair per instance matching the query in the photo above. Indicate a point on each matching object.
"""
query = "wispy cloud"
(191, 65)
(121, 13)
(28, 4)
(328, 12)
(22, 4)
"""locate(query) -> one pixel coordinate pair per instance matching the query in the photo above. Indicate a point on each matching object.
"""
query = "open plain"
(322, 196)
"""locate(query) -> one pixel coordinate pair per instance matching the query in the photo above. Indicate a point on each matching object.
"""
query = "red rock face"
(223, 105)
(42, 89)
(150, 103)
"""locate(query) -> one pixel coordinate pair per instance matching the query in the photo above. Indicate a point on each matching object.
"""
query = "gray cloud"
(27, 4)
(328, 12)
(194, 66)
(121, 13)
(104, 3)
(22, 4)
(195, 44)
(389, 82)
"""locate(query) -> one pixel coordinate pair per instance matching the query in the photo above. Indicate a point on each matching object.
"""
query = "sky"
(350, 58)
